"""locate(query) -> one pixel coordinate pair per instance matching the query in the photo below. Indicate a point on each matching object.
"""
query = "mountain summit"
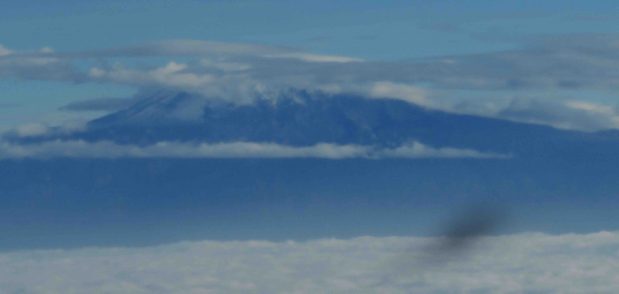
(302, 118)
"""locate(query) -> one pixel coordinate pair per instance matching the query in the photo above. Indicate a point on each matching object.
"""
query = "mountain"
(553, 181)
(301, 118)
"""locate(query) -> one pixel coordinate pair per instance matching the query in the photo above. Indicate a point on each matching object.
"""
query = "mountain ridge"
(302, 118)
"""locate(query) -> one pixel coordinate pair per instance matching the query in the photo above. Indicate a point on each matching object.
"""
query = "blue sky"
(368, 29)
(375, 31)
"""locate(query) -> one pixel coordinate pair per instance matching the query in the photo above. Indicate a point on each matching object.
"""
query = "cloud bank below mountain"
(528, 262)
(107, 149)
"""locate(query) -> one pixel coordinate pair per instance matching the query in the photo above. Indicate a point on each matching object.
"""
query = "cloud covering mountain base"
(106, 149)
(529, 262)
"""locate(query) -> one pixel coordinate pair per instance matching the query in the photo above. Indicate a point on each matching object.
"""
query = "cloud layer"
(106, 149)
(239, 73)
(521, 263)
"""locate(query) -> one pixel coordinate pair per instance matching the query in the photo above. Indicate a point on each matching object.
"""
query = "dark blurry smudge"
(465, 229)
(456, 239)
(460, 235)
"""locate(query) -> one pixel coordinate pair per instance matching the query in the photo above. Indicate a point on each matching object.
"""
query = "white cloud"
(315, 57)
(238, 73)
(41, 130)
(171, 75)
(4, 51)
(37, 66)
(193, 48)
(208, 80)
(31, 130)
(572, 114)
(591, 107)
(107, 149)
(386, 89)
(46, 50)
(520, 263)
(225, 65)
(418, 150)
(201, 48)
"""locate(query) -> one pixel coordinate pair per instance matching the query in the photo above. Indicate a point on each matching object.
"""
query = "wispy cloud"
(99, 104)
(4, 51)
(522, 263)
(106, 149)
(240, 72)
(37, 66)
(571, 114)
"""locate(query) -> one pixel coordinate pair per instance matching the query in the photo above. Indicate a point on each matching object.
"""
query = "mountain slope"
(300, 118)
